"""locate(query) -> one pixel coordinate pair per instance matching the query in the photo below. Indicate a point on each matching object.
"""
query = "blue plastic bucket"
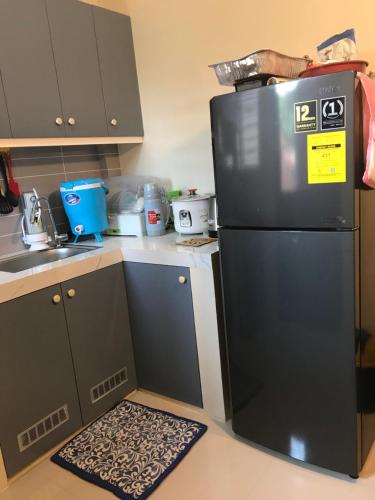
(85, 206)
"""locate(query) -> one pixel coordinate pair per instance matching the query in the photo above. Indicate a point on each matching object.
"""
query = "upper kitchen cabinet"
(119, 73)
(77, 66)
(4, 117)
(28, 70)
(68, 74)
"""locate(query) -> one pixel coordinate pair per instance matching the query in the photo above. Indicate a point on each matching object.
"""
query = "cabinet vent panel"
(40, 429)
(108, 385)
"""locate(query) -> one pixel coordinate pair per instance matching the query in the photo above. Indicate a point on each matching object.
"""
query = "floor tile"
(220, 466)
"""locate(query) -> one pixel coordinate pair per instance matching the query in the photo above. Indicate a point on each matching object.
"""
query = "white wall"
(176, 40)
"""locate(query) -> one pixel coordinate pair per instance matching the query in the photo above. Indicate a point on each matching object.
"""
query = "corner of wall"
(129, 155)
(116, 5)
(3, 475)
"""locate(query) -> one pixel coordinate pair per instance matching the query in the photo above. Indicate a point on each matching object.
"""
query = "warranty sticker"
(326, 157)
(305, 116)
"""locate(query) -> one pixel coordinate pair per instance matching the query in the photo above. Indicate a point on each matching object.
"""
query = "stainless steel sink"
(32, 259)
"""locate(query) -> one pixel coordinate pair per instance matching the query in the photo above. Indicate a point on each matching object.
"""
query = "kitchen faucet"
(57, 238)
(34, 228)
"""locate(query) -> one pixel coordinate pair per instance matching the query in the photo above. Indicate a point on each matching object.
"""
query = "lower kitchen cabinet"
(38, 397)
(66, 357)
(99, 332)
(163, 330)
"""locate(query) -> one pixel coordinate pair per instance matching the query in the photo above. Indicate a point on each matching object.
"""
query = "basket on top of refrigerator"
(262, 62)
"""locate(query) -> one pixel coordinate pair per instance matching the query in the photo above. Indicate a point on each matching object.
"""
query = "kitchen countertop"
(115, 249)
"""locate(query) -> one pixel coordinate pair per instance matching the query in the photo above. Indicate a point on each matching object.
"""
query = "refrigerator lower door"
(290, 307)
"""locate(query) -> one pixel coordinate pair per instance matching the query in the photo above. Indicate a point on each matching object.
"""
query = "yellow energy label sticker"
(326, 157)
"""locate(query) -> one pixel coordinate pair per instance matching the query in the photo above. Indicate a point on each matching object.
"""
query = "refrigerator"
(297, 250)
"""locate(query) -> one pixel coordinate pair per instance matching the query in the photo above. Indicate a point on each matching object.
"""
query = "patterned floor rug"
(130, 449)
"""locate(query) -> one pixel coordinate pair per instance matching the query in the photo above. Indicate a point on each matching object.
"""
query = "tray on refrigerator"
(263, 61)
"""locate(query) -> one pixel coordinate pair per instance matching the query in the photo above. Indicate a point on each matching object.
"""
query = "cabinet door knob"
(71, 293)
(114, 122)
(59, 121)
(182, 280)
(56, 299)
(71, 120)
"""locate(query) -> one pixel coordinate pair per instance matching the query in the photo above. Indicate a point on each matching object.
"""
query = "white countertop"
(150, 250)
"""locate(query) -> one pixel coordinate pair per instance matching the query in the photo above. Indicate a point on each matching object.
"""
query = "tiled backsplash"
(44, 168)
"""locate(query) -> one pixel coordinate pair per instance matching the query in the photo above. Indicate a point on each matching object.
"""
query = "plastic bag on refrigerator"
(368, 120)
(340, 47)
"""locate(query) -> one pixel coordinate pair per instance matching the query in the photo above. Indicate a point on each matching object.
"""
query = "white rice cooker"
(190, 212)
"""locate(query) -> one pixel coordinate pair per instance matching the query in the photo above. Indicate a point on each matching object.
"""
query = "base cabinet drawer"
(38, 397)
(163, 330)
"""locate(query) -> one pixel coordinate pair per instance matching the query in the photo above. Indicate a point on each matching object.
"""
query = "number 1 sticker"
(333, 113)
(305, 116)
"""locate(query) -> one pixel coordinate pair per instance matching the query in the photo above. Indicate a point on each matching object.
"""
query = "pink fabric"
(368, 120)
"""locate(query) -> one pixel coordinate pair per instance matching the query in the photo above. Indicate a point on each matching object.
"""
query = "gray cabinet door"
(119, 73)
(28, 70)
(98, 324)
(38, 397)
(77, 66)
(162, 322)
(4, 117)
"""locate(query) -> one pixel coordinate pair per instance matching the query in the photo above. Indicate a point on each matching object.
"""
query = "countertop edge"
(16, 285)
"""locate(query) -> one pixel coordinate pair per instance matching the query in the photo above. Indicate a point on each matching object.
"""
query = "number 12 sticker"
(305, 116)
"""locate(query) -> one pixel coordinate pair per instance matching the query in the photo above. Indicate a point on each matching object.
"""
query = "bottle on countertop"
(156, 210)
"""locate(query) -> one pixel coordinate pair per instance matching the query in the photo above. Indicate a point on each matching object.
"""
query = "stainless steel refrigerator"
(297, 249)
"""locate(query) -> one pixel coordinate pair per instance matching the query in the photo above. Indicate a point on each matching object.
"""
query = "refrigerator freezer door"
(261, 155)
(290, 323)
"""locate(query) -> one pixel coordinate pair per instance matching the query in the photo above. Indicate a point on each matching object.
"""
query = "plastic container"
(156, 210)
(333, 67)
(85, 206)
(126, 194)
